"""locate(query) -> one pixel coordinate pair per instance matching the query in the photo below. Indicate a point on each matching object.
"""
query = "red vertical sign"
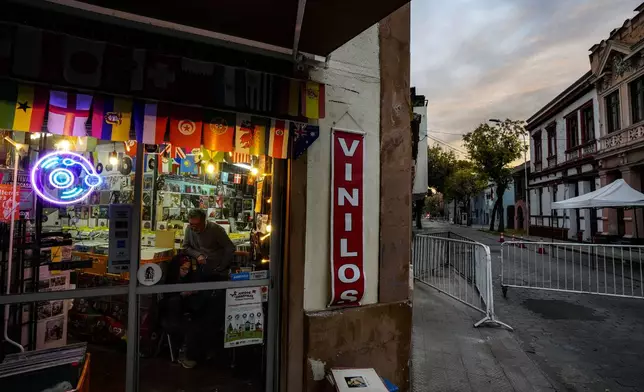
(347, 213)
(8, 204)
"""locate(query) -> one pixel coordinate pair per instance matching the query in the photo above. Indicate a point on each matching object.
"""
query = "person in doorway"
(208, 243)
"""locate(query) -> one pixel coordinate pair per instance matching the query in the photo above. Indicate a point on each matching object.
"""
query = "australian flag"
(303, 135)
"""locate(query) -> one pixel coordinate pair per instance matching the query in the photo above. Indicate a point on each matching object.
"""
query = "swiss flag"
(161, 75)
(185, 127)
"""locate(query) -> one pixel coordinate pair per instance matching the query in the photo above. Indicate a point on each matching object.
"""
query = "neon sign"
(64, 177)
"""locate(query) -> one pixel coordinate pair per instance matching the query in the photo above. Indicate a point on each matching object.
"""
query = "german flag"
(22, 107)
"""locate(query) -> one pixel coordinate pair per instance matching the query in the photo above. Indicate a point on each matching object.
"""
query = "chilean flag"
(68, 113)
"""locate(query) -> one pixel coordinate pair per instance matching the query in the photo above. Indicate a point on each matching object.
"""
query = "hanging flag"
(313, 100)
(288, 92)
(243, 137)
(6, 48)
(303, 136)
(185, 127)
(83, 61)
(177, 154)
(68, 113)
(150, 121)
(130, 148)
(118, 67)
(237, 179)
(111, 118)
(188, 165)
(219, 131)
(260, 125)
(191, 79)
(161, 75)
(229, 85)
(224, 177)
(22, 107)
(278, 139)
(38, 54)
(259, 91)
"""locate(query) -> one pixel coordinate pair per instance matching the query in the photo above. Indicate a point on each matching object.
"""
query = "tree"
(492, 149)
(463, 184)
(440, 164)
(434, 204)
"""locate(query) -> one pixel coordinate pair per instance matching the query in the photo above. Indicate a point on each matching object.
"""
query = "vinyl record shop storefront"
(117, 140)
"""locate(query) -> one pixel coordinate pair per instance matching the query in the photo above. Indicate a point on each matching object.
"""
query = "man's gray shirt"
(212, 242)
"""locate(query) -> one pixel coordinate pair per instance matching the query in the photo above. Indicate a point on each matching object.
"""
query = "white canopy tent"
(616, 194)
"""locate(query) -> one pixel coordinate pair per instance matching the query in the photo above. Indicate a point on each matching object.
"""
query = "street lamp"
(525, 171)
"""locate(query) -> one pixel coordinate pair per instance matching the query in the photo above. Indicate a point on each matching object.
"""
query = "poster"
(51, 316)
(244, 317)
(9, 204)
(347, 213)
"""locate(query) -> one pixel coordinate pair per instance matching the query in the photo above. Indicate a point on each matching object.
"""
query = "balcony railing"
(623, 137)
(581, 151)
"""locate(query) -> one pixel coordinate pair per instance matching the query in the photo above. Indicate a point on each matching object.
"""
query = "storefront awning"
(311, 26)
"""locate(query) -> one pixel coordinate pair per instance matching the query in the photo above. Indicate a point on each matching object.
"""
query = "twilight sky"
(481, 59)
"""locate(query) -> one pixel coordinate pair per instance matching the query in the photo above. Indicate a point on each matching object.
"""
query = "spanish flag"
(313, 98)
(22, 107)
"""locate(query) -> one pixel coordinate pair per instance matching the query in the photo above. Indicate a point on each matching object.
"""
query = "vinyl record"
(108, 167)
(126, 166)
(151, 163)
(99, 168)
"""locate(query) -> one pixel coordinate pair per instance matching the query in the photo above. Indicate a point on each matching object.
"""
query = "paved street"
(581, 342)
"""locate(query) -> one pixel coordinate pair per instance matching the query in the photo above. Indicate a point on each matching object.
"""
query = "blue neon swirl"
(72, 194)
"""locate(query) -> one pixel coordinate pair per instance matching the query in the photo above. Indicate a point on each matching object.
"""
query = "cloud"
(481, 59)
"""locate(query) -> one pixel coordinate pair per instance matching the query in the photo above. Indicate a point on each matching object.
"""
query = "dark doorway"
(510, 215)
(520, 218)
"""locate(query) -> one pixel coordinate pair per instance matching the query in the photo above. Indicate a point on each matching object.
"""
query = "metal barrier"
(611, 270)
(460, 268)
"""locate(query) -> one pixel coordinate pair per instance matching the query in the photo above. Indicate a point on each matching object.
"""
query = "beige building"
(617, 65)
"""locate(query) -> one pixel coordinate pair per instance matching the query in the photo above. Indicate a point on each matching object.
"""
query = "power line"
(445, 143)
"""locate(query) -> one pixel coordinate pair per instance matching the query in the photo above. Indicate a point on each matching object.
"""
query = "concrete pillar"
(632, 178)
(609, 215)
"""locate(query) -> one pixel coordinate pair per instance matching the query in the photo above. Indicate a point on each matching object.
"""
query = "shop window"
(588, 123)
(572, 130)
(637, 99)
(612, 112)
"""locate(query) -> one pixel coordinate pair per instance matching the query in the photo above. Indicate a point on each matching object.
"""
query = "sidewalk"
(449, 354)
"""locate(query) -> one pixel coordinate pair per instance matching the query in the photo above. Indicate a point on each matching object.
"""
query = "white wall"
(352, 102)
(421, 180)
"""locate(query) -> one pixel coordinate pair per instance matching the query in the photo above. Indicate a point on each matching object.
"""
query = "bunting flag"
(278, 139)
(121, 69)
(303, 136)
(111, 118)
(237, 179)
(289, 96)
(188, 165)
(185, 127)
(22, 107)
(192, 78)
(237, 157)
(68, 113)
(219, 131)
(161, 75)
(178, 154)
(38, 55)
(313, 100)
(83, 61)
(224, 177)
(227, 84)
(130, 148)
(259, 91)
(150, 122)
(243, 138)
(258, 145)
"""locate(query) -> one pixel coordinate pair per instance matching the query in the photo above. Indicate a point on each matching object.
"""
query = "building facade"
(520, 211)
(564, 138)
(617, 66)
(364, 66)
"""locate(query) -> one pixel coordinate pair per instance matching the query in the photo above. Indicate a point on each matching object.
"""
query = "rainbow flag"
(22, 107)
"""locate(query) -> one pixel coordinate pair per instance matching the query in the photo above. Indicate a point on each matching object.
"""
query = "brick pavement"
(449, 354)
(583, 342)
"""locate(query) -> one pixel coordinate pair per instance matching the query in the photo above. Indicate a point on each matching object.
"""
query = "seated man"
(209, 244)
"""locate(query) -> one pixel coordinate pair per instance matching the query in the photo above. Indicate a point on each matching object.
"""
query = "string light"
(210, 168)
(63, 145)
(254, 171)
(114, 158)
